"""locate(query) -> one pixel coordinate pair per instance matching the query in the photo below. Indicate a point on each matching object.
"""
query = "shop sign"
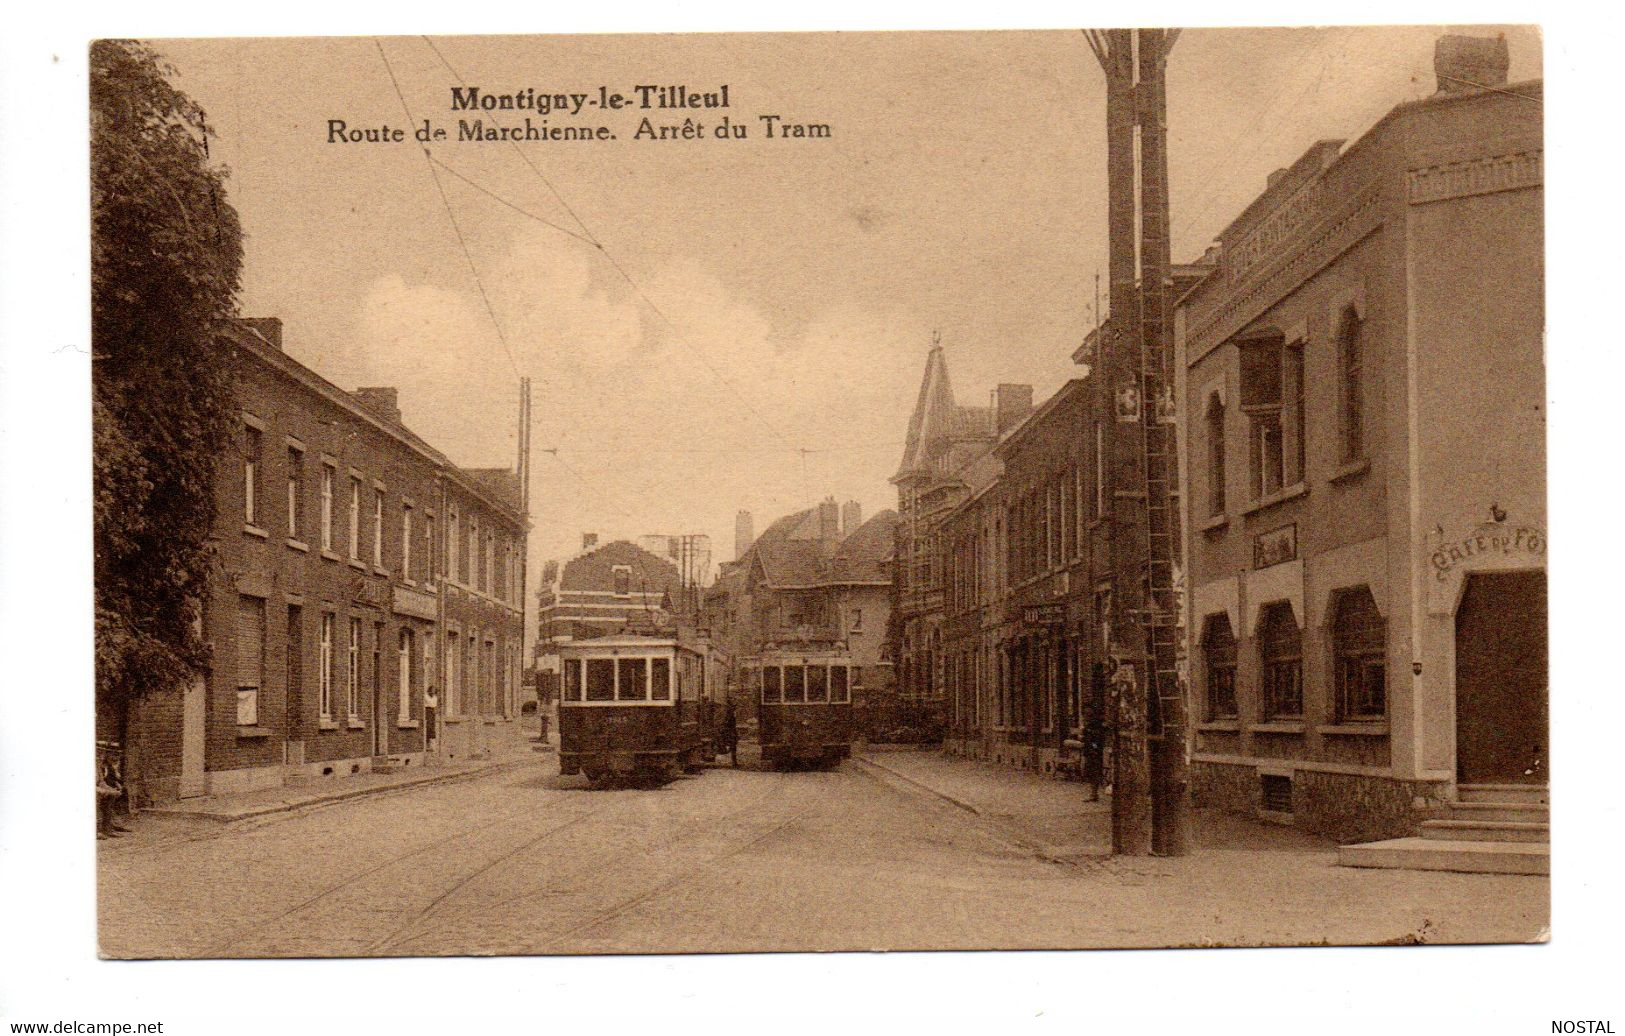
(1276, 546)
(1044, 614)
(1494, 539)
(416, 603)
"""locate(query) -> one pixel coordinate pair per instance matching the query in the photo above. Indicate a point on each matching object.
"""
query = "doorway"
(1501, 680)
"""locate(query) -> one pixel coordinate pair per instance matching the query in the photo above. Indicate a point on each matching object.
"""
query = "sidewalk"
(1054, 817)
(247, 805)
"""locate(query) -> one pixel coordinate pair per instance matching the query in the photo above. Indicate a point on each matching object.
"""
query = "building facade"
(945, 461)
(329, 594)
(1363, 416)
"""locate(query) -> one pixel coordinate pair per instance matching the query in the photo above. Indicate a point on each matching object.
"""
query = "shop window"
(1280, 653)
(1219, 666)
(1359, 636)
(1351, 401)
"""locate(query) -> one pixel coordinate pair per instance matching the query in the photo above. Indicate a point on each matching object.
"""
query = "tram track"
(411, 932)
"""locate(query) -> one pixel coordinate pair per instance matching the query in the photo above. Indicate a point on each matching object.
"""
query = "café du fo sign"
(1498, 544)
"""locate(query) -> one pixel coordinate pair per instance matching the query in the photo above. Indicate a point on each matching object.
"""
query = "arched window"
(1351, 402)
(1215, 455)
(1219, 667)
(1280, 656)
(1359, 637)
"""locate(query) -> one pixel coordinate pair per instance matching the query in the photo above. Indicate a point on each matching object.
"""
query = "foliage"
(166, 251)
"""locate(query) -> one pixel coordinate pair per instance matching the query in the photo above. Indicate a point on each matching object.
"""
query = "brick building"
(1363, 404)
(943, 464)
(329, 592)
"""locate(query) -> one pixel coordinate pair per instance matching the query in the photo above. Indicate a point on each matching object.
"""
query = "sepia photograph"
(578, 525)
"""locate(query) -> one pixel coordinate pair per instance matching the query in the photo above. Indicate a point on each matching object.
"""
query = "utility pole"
(1135, 391)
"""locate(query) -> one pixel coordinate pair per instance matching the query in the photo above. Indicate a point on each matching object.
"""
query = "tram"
(804, 708)
(636, 707)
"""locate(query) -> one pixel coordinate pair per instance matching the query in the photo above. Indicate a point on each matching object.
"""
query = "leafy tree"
(166, 252)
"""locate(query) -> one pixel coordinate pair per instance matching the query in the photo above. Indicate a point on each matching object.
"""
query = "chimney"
(589, 540)
(851, 518)
(829, 519)
(381, 402)
(269, 328)
(744, 533)
(1470, 62)
(1011, 405)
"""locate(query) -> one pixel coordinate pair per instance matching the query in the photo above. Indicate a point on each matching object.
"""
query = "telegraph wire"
(503, 201)
(440, 188)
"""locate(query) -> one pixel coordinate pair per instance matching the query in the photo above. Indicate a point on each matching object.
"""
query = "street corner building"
(365, 607)
(1364, 430)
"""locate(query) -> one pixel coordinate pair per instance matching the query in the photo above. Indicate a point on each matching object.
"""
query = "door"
(1501, 679)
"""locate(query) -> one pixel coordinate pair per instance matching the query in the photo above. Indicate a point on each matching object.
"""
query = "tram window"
(818, 683)
(634, 680)
(795, 683)
(600, 679)
(572, 679)
(838, 691)
(772, 689)
(660, 679)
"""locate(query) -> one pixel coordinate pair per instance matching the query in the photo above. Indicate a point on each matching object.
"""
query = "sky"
(722, 325)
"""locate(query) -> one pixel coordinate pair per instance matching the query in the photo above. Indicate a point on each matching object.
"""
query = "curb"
(906, 779)
(340, 795)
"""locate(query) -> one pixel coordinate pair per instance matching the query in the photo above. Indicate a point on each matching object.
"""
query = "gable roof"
(791, 554)
(594, 570)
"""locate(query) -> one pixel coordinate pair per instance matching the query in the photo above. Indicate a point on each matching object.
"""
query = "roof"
(938, 421)
(593, 570)
(791, 554)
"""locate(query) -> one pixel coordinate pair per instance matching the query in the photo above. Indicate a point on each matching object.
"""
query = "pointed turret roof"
(938, 422)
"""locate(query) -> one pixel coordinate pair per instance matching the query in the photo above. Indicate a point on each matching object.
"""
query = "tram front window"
(660, 679)
(772, 685)
(839, 692)
(634, 680)
(572, 679)
(817, 686)
(600, 679)
(795, 683)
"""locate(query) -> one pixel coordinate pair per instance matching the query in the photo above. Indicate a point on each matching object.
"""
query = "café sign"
(1044, 614)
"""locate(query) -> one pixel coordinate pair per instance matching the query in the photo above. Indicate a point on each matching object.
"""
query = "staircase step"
(1528, 812)
(1487, 830)
(1502, 793)
(1430, 854)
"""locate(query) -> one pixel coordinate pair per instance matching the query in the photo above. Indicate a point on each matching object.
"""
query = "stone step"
(1486, 830)
(1528, 812)
(1502, 793)
(1429, 854)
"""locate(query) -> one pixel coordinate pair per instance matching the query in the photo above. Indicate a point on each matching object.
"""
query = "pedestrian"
(730, 732)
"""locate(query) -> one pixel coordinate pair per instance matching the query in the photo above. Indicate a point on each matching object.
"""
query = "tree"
(166, 253)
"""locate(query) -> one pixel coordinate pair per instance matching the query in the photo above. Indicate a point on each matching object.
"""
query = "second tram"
(804, 707)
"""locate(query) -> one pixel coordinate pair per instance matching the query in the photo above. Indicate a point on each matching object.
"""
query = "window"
(406, 542)
(327, 508)
(355, 518)
(454, 673)
(795, 683)
(772, 684)
(660, 679)
(600, 679)
(1280, 654)
(840, 681)
(818, 683)
(251, 474)
(430, 568)
(250, 658)
(1351, 402)
(377, 528)
(623, 581)
(572, 679)
(1359, 636)
(453, 539)
(1272, 396)
(403, 705)
(1219, 665)
(632, 679)
(296, 492)
(468, 563)
(352, 700)
(1102, 476)
(325, 674)
(1215, 455)
(857, 620)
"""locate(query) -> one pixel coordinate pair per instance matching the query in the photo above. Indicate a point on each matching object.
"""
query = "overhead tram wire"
(696, 350)
(462, 243)
(503, 201)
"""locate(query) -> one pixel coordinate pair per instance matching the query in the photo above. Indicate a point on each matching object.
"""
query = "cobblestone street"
(897, 851)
